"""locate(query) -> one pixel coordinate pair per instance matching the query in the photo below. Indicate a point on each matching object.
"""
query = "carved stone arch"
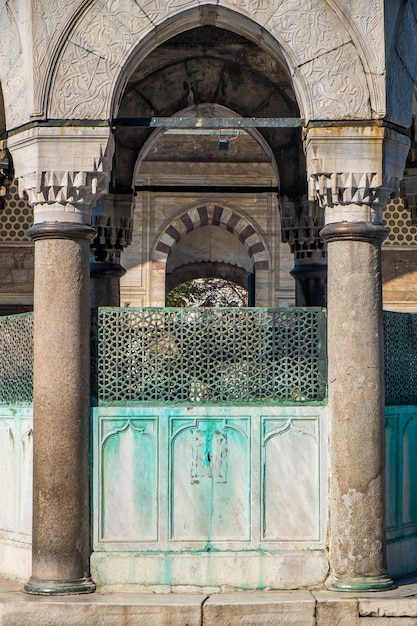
(92, 64)
(401, 62)
(215, 215)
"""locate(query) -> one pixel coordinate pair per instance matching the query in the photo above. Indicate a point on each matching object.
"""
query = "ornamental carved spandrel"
(13, 72)
(335, 88)
(93, 56)
(368, 20)
(49, 18)
(307, 30)
(109, 31)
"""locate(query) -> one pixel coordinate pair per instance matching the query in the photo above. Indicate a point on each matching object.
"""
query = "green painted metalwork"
(16, 361)
(209, 356)
(400, 330)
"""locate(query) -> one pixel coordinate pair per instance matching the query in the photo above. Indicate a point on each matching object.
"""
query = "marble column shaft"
(61, 526)
(356, 403)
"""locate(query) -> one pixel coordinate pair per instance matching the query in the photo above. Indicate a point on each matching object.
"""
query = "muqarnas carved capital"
(301, 224)
(78, 189)
(112, 218)
(339, 188)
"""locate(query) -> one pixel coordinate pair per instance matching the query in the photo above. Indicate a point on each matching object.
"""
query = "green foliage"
(207, 292)
(184, 295)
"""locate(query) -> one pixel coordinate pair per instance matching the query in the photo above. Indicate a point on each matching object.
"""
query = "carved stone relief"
(367, 19)
(108, 32)
(318, 32)
(333, 85)
(49, 19)
(13, 74)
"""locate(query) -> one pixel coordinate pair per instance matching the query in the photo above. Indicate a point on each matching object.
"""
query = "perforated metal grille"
(400, 358)
(209, 355)
(16, 359)
(16, 217)
(397, 219)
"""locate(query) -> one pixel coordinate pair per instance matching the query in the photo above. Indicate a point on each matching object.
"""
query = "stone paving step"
(397, 607)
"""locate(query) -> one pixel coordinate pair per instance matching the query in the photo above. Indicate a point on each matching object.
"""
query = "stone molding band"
(366, 583)
(354, 231)
(61, 230)
(41, 587)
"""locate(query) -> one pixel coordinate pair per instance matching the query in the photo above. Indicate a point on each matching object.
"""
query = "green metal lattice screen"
(400, 330)
(210, 356)
(16, 361)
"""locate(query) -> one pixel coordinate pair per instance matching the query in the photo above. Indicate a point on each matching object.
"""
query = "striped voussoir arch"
(216, 216)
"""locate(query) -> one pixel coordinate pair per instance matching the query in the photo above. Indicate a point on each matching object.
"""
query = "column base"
(365, 583)
(40, 587)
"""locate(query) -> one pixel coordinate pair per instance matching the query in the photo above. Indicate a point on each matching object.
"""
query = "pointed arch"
(214, 215)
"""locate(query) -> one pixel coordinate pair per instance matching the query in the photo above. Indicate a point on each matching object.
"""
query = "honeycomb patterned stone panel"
(398, 220)
(16, 217)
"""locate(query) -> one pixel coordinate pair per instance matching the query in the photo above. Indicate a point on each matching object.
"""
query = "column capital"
(301, 223)
(66, 196)
(112, 218)
(352, 170)
(63, 168)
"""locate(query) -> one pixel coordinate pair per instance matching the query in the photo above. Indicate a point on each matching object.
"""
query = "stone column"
(356, 407)
(61, 525)
(105, 283)
(62, 203)
(310, 275)
(351, 172)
